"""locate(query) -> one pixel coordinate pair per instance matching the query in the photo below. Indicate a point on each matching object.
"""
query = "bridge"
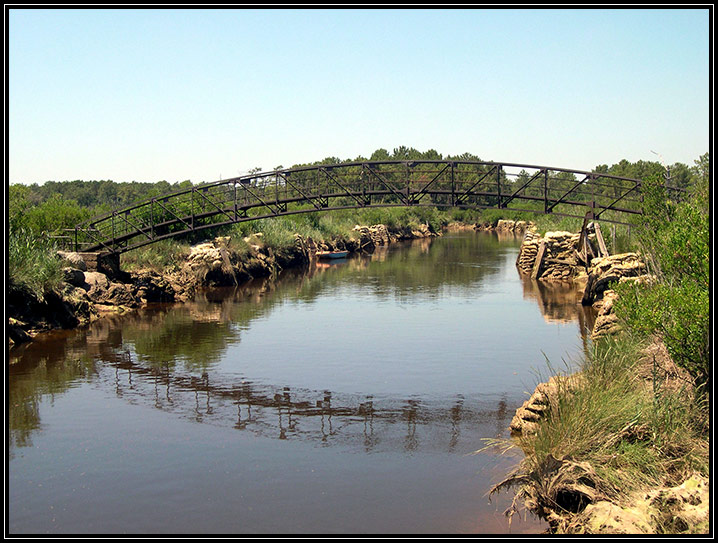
(439, 183)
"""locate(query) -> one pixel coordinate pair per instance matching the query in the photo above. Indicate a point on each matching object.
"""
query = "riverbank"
(83, 296)
(620, 446)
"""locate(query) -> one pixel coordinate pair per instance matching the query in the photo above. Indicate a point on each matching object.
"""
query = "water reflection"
(325, 417)
(164, 356)
(560, 302)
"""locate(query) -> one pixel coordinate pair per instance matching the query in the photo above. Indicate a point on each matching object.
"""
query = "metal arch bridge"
(438, 183)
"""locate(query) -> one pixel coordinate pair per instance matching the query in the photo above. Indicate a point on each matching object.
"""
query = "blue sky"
(147, 95)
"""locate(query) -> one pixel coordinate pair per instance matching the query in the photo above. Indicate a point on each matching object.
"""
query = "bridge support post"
(498, 185)
(545, 192)
(592, 210)
(105, 262)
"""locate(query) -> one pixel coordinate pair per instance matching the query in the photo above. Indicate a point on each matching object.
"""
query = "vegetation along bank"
(620, 443)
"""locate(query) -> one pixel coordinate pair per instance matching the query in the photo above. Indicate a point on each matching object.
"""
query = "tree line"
(54, 205)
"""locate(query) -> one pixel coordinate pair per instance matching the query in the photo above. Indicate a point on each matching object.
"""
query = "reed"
(622, 424)
(32, 263)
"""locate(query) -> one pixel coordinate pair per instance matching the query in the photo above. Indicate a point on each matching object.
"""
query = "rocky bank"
(86, 295)
(556, 256)
(570, 495)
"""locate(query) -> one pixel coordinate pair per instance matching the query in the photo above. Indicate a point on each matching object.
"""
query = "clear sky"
(150, 95)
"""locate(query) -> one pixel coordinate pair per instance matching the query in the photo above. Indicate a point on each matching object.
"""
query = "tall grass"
(164, 255)
(635, 432)
(32, 263)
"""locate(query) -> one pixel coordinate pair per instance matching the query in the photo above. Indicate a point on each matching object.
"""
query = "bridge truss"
(439, 183)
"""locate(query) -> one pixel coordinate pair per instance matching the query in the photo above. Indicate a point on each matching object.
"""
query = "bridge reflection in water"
(368, 422)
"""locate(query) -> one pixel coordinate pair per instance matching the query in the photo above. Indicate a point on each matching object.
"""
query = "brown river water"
(347, 398)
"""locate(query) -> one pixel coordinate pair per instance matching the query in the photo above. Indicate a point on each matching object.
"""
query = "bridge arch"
(325, 187)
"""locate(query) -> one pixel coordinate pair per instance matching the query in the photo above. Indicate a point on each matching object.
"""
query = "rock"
(606, 325)
(605, 517)
(73, 259)
(101, 290)
(96, 280)
(73, 276)
(151, 287)
(510, 226)
(624, 264)
(528, 251)
(544, 398)
(96, 285)
(79, 303)
(505, 225)
(559, 261)
(120, 294)
(560, 236)
(380, 234)
(606, 271)
(377, 235)
(422, 231)
(212, 263)
(668, 510)
(606, 321)
(366, 243)
(16, 332)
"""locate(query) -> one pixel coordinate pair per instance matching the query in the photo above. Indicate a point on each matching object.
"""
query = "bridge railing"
(443, 183)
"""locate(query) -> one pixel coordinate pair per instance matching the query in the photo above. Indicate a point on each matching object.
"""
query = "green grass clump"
(32, 263)
(620, 417)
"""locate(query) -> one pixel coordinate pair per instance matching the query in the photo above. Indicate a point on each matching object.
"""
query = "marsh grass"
(618, 426)
(164, 255)
(33, 263)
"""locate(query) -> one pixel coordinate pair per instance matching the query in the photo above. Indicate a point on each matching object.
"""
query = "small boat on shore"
(332, 254)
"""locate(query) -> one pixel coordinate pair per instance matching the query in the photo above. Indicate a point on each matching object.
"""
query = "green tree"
(54, 214)
(701, 170)
(380, 154)
(675, 239)
(18, 204)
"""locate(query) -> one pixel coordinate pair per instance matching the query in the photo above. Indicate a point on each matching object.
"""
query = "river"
(343, 399)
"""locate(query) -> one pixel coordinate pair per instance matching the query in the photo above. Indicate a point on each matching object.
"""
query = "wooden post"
(545, 191)
(613, 237)
(539, 260)
(453, 186)
(498, 184)
(599, 238)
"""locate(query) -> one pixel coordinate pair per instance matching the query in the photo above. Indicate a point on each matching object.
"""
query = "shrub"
(679, 314)
(675, 240)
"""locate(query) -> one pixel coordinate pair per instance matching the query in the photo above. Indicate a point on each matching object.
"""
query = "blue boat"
(332, 254)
